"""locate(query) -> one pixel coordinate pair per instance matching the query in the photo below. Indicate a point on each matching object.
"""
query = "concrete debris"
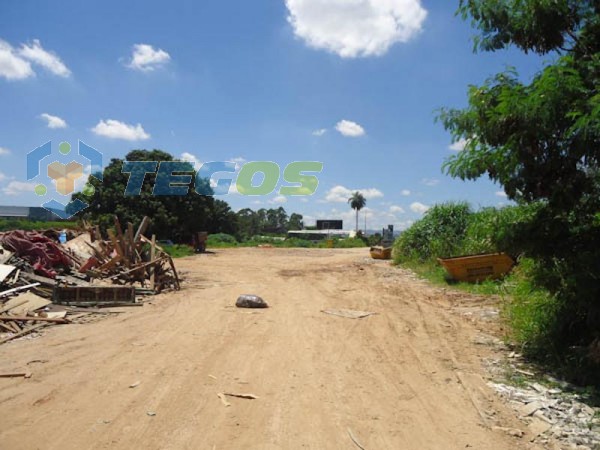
(37, 273)
(552, 413)
(250, 301)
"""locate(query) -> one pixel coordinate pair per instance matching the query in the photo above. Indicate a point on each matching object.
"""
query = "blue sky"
(353, 84)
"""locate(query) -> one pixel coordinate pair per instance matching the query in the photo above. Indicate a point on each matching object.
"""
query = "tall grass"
(534, 315)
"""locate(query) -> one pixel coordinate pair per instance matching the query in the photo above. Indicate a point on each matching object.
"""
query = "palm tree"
(357, 202)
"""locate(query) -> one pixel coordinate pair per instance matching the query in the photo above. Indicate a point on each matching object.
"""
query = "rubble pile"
(43, 281)
(554, 413)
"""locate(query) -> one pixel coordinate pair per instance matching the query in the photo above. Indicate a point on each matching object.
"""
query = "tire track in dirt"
(391, 378)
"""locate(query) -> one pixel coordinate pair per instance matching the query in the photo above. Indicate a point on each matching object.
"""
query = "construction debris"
(246, 396)
(250, 301)
(348, 313)
(37, 273)
(554, 413)
(16, 375)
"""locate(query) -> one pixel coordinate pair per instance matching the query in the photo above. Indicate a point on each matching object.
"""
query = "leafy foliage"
(173, 217)
(266, 222)
(541, 141)
(440, 233)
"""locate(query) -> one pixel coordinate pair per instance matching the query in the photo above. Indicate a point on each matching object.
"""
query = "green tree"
(173, 217)
(248, 222)
(541, 141)
(277, 220)
(296, 222)
(357, 202)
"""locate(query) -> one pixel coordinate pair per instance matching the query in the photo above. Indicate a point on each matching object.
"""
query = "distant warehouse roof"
(26, 212)
(14, 211)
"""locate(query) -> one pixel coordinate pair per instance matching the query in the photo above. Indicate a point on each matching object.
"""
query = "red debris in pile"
(41, 252)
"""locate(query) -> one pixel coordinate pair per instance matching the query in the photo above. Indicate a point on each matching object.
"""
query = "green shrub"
(178, 251)
(492, 230)
(440, 233)
(221, 240)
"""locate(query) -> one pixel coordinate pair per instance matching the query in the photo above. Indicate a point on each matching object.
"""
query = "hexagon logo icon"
(64, 172)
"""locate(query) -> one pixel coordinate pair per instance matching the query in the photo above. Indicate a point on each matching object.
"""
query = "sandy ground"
(409, 377)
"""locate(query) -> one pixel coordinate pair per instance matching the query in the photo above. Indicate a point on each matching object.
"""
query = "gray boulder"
(250, 301)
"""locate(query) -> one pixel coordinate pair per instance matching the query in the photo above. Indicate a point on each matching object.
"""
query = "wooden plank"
(138, 267)
(26, 302)
(152, 256)
(130, 242)
(16, 375)
(142, 228)
(121, 239)
(12, 326)
(110, 264)
(175, 273)
(117, 246)
(39, 279)
(32, 319)
(8, 307)
(6, 328)
(148, 241)
(24, 332)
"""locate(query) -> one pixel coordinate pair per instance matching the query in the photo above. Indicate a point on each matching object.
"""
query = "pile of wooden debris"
(42, 281)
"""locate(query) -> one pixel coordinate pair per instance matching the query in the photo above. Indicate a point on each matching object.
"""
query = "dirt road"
(409, 377)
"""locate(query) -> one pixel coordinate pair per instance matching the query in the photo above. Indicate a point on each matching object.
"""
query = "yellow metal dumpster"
(474, 268)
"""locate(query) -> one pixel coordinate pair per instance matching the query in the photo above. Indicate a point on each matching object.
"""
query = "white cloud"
(278, 200)
(349, 128)
(18, 187)
(355, 28)
(12, 66)
(118, 130)
(320, 132)
(48, 60)
(419, 208)
(53, 121)
(2, 177)
(459, 145)
(430, 182)
(501, 194)
(185, 156)
(16, 64)
(4, 151)
(396, 209)
(239, 162)
(146, 58)
(341, 194)
(405, 192)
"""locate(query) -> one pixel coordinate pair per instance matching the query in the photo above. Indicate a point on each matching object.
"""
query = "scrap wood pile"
(129, 257)
(43, 281)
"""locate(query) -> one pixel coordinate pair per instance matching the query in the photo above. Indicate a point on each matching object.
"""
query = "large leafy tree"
(296, 222)
(357, 202)
(541, 141)
(173, 217)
